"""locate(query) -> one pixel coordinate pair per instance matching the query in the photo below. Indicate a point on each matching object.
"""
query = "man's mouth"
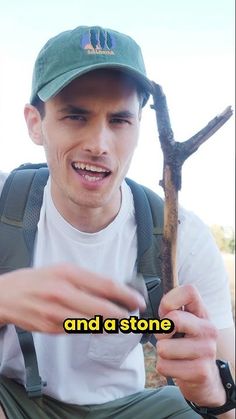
(91, 172)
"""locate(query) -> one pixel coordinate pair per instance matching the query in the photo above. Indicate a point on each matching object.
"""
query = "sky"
(188, 48)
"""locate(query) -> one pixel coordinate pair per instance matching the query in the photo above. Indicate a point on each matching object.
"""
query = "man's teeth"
(91, 178)
(89, 167)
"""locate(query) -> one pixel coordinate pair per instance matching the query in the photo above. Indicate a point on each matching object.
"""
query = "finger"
(190, 325)
(186, 348)
(49, 317)
(42, 327)
(67, 300)
(186, 296)
(87, 306)
(34, 321)
(119, 293)
(193, 371)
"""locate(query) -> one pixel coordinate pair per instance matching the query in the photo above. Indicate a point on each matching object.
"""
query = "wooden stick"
(175, 154)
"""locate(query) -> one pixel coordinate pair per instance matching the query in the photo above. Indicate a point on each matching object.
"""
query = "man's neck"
(89, 220)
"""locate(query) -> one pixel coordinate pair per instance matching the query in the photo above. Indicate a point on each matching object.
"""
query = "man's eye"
(119, 121)
(75, 117)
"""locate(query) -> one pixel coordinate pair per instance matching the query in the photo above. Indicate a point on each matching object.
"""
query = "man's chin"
(109, 200)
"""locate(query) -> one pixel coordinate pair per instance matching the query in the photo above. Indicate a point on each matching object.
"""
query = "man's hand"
(41, 299)
(191, 359)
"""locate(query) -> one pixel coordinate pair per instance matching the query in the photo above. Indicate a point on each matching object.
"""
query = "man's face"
(89, 133)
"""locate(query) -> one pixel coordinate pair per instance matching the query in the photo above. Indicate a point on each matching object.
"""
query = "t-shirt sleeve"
(200, 263)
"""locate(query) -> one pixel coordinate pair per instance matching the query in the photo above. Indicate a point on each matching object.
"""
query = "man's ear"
(34, 124)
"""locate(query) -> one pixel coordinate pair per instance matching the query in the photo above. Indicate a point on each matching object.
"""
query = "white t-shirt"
(96, 368)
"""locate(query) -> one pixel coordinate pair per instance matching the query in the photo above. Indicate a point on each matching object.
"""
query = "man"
(88, 90)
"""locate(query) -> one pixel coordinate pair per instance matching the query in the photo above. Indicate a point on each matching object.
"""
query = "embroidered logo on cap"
(98, 41)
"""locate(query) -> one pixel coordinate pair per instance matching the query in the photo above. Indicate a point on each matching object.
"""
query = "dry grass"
(152, 378)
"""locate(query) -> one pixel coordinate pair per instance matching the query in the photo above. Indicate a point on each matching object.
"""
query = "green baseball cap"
(76, 52)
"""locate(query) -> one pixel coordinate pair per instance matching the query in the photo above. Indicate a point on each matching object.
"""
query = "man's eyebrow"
(123, 114)
(73, 110)
(82, 111)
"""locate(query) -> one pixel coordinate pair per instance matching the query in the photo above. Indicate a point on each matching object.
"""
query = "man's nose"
(98, 139)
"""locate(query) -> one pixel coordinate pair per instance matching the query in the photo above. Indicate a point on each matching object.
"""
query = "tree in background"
(224, 237)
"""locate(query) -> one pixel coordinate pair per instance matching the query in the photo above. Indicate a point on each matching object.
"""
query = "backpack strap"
(149, 213)
(20, 206)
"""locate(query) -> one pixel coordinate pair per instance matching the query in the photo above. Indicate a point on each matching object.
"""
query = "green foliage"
(232, 245)
(224, 238)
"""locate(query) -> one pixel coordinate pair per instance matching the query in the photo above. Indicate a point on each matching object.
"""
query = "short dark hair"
(39, 105)
(142, 95)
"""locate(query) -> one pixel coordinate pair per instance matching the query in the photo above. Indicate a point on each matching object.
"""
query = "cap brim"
(55, 86)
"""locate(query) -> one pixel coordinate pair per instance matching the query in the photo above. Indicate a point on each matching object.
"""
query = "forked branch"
(175, 154)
